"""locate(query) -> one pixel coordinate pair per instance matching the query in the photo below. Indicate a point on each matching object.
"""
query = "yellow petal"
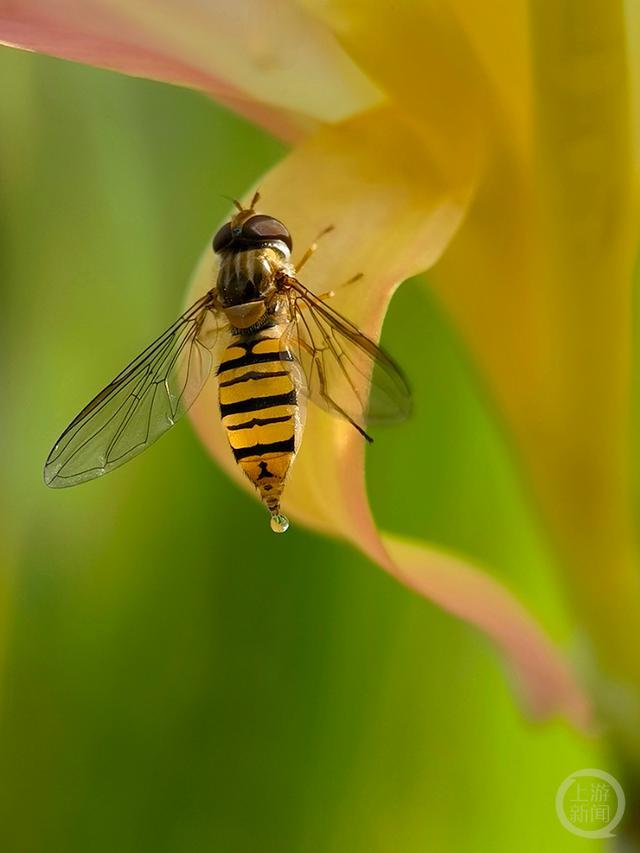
(500, 42)
(438, 56)
(394, 211)
(540, 282)
(272, 62)
(420, 57)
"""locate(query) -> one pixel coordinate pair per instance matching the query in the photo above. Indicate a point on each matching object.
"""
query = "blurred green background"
(174, 676)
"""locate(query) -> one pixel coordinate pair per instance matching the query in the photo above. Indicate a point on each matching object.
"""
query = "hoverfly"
(271, 343)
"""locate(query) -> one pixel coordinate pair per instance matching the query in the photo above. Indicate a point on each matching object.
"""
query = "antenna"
(233, 201)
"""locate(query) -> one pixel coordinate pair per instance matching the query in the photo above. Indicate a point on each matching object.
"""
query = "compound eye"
(262, 228)
(223, 238)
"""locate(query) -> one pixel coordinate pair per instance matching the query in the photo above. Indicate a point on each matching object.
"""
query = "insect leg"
(329, 294)
(312, 248)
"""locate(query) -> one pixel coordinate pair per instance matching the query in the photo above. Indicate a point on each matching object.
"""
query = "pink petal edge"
(38, 34)
(543, 676)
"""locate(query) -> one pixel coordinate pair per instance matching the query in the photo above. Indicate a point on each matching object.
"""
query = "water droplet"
(279, 523)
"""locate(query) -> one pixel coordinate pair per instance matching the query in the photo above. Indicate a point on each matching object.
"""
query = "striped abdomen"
(260, 408)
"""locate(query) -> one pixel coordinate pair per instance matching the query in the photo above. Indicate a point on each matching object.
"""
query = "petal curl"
(272, 62)
(417, 54)
(374, 178)
(432, 55)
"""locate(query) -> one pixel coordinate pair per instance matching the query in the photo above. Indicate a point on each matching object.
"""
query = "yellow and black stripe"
(259, 406)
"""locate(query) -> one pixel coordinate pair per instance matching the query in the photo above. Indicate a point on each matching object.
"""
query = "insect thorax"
(248, 275)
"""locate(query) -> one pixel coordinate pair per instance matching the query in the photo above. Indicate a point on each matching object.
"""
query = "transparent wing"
(141, 403)
(347, 373)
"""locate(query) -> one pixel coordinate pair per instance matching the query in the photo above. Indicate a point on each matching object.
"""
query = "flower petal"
(540, 279)
(546, 261)
(274, 63)
(394, 212)
(419, 56)
(429, 56)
